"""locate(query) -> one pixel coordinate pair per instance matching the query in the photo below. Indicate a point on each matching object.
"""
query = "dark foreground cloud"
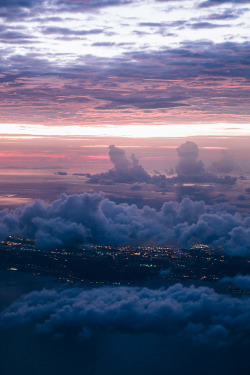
(199, 315)
(92, 218)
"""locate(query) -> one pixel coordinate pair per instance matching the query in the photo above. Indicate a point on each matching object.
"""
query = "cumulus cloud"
(125, 170)
(188, 163)
(92, 218)
(198, 315)
(225, 164)
(191, 169)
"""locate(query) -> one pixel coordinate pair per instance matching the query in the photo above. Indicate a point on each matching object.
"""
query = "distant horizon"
(127, 131)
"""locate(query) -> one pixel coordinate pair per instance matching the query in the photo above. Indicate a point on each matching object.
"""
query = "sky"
(121, 67)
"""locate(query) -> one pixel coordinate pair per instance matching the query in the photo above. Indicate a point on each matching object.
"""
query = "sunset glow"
(131, 131)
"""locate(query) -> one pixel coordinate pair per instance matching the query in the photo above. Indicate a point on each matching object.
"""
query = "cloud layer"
(199, 315)
(92, 218)
(124, 61)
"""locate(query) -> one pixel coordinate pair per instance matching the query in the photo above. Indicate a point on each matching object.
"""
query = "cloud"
(199, 315)
(188, 163)
(129, 86)
(210, 3)
(69, 32)
(206, 25)
(91, 218)
(79, 5)
(228, 14)
(191, 169)
(226, 164)
(125, 170)
(12, 9)
(240, 240)
(243, 281)
(140, 102)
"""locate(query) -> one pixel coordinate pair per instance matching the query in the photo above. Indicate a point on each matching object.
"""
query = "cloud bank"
(199, 315)
(188, 169)
(91, 218)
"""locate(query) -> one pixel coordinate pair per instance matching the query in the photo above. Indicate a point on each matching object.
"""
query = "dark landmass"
(125, 265)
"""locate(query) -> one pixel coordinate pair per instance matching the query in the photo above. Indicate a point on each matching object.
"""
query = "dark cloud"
(92, 218)
(70, 32)
(228, 14)
(17, 3)
(8, 35)
(206, 25)
(210, 3)
(79, 5)
(14, 9)
(199, 315)
(141, 102)
(151, 24)
(104, 44)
